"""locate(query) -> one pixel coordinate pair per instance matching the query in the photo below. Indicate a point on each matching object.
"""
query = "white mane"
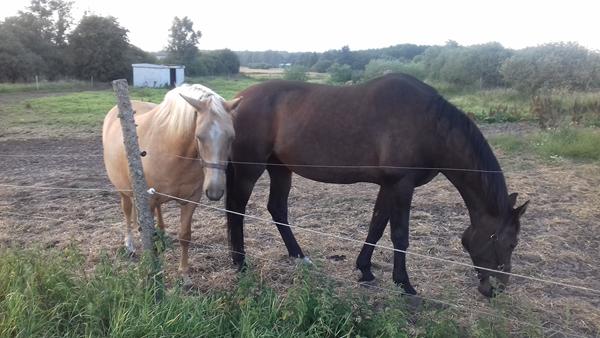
(177, 117)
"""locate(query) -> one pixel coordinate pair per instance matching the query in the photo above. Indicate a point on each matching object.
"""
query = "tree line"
(564, 65)
(41, 41)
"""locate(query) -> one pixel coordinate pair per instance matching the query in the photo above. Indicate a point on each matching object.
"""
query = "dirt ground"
(559, 239)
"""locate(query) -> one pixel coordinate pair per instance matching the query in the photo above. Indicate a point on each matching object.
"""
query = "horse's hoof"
(130, 248)
(187, 282)
(408, 289)
(367, 276)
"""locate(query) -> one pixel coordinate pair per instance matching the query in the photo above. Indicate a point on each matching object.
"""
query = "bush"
(340, 73)
(553, 66)
(321, 66)
(379, 67)
(477, 65)
(219, 62)
(296, 73)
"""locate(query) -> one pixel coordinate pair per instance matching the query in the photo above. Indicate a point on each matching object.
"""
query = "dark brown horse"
(387, 131)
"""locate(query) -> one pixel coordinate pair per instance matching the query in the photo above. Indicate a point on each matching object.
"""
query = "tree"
(182, 41)
(229, 60)
(54, 17)
(40, 33)
(99, 47)
(16, 61)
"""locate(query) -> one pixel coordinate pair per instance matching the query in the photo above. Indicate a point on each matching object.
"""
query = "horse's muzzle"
(214, 194)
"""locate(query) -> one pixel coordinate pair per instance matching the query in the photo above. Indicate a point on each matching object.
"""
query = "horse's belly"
(341, 175)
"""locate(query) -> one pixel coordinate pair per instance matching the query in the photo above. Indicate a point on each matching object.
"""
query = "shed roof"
(150, 65)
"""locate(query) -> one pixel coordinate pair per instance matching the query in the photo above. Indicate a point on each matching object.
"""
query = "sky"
(320, 25)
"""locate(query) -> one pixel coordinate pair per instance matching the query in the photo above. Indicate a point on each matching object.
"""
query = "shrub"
(553, 66)
(296, 72)
(466, 66)
(321, 66)
(379, 67)
(340, 73)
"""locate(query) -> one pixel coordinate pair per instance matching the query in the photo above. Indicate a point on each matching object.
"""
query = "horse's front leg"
(240, 183)
(381, 215)
(185, 236)
(400, 214)
(130, 217)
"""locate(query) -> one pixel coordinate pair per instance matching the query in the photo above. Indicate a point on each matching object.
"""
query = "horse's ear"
(512, 198)
(232, 105)
(518, 212)
(199, 105)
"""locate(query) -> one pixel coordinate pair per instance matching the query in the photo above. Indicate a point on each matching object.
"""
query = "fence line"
(287, 165)
(50, 155)
(61, 188)
(348, 239)
(221, 248)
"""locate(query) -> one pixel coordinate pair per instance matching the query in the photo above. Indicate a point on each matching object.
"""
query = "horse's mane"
(175, 116)
(492, 179)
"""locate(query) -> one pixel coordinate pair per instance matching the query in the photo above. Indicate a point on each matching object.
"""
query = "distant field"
(277, 73)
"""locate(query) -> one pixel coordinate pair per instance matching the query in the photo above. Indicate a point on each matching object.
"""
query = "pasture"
(52, 139)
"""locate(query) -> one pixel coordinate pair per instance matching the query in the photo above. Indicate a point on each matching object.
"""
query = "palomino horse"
(191, 122)
(394, 131)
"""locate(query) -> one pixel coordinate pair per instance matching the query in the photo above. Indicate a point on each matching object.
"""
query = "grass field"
(46, 295)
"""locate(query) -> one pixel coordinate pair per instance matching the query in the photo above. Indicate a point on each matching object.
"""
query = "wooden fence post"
(140, 187)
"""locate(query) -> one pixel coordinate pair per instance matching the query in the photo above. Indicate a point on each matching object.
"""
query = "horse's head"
(490, 243)
(214, 134)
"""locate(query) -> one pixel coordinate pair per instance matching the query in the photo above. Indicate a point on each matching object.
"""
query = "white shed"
(150, 75)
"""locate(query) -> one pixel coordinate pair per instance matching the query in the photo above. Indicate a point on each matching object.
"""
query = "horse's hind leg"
(281, 182)
(381, 215)
(403, 193)
(128, 210)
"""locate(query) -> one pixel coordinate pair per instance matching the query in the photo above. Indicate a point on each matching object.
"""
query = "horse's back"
(384, 122)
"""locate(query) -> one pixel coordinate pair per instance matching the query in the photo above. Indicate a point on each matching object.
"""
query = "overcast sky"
(319, 25)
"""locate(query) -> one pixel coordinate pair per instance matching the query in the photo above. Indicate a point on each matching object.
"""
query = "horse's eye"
(513, 245)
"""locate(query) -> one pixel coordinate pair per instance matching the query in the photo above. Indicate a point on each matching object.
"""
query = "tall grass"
(573, 143)
(49, 295)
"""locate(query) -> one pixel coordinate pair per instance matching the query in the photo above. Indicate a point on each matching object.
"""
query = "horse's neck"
(473, 192)
(172, 144)
(479, 180)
